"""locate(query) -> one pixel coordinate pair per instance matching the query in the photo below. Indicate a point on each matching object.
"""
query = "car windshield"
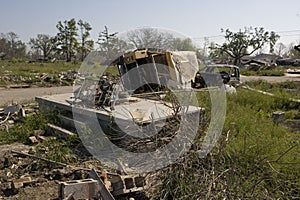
(213, 69)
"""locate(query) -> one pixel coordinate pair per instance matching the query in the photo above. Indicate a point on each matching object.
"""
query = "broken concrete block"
(10, 122)
(79, 189)
(33, 140)
(18, 183)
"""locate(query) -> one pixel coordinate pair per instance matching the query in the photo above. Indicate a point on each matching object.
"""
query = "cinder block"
(126, 184)
(140, 181)
(18, 183)
(129, 183)
(81, 189)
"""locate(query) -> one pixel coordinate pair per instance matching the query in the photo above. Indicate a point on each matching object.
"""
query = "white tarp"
(186, 64)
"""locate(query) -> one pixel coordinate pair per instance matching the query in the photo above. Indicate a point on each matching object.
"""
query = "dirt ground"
(14, 167)
(28, 94)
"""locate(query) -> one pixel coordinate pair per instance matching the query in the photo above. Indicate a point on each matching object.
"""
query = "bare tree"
(150, 38)
(11, 47)
(280, 50)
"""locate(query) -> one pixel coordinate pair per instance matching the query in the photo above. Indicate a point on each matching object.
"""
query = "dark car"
(213, 75)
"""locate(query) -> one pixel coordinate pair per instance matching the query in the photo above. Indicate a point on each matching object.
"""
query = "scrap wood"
(58, 163)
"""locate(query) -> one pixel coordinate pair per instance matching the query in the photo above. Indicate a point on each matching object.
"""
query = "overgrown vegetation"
(52, 148)
(254, 158)
(288, 89)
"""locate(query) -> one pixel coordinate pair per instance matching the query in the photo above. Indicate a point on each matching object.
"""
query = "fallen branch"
(57, 163)
(40, 158)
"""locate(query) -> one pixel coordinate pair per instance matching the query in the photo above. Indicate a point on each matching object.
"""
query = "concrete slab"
(131, 109)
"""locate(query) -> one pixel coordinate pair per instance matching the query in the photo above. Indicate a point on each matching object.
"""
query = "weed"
(23, 129)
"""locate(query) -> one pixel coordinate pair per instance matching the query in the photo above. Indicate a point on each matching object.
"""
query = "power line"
(287, 31)
(290, 35)
(217, 36)
(208, 37)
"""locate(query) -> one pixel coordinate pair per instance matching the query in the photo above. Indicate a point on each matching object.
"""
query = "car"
(216, 74)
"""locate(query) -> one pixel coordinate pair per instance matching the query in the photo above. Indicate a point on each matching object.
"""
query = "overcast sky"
(194, 18)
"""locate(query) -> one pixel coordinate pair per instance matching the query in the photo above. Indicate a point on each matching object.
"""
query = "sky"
(192, 18)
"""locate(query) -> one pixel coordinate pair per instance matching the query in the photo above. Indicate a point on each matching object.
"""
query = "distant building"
(261, 61)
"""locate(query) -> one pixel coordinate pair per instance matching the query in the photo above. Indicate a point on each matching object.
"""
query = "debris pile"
(39, 79)
(20, 173)
(16, 112)
(23, 173)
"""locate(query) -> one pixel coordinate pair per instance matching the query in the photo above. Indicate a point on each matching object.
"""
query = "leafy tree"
(183, 44)
(43, 43)
(246, 42)
(150, 38)
(217, 55)
(110, 46)
(292, 51)
(273, 37)
(66, 38)
(106, 40)
(85, 45)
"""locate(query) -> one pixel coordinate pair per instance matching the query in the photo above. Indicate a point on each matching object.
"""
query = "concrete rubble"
(67, 181)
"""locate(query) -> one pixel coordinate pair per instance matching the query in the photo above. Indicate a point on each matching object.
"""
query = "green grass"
(288, 89)
(36, 67)
(30, 73)
(254, 158)
(278, 71)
